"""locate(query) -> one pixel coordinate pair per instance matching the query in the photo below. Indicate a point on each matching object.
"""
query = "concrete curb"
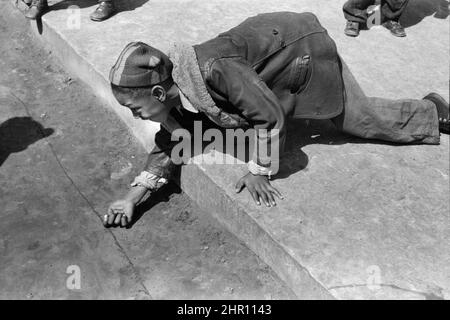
(235, 218)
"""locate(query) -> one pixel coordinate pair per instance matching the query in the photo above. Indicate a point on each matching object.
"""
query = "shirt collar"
(186, 104)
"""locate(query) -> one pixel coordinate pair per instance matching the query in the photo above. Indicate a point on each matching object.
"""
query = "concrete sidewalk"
(360, 212)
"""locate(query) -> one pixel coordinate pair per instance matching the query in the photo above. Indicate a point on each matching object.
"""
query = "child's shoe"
(396, 28)
(104, 11)
(36, 9)
(352, 29)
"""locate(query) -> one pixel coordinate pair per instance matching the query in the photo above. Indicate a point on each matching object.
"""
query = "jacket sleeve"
(234, 79)
(159, 162)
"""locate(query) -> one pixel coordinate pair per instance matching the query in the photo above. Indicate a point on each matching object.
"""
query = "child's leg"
(393, 9)
(402, 121)
(355, 10)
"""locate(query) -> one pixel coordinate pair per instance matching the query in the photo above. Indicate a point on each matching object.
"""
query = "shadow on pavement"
(16, 134)
(302, 133)
(417, 10)
(161, 195)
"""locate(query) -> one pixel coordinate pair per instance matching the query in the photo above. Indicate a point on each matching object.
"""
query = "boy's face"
(146, 107)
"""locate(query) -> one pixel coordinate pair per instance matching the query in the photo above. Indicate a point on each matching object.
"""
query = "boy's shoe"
(395, 27)
(352, 29)
(104, 11)
(443, 10)
(443, 111)
(37, 8)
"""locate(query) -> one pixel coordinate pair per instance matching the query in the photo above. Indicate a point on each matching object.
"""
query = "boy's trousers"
(400, 121)
(355, 10)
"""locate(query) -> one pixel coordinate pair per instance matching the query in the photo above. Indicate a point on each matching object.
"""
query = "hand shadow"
(161, 195)
(16, 134)
(417, 10)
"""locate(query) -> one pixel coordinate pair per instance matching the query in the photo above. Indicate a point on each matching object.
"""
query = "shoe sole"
(351, 34)
(103, 19)
(398, 35)
(442, 106)
(99, 20)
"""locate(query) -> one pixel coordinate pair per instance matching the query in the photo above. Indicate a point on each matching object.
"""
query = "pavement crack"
(84, 197)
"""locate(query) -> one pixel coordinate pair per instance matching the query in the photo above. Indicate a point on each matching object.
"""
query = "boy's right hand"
(120, 213)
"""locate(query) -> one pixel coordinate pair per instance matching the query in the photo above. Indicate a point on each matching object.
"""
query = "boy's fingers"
(269, 195)
(255, 197)
(124, 221)
(117, 207)
(261, 200)
(239, 186)
(105, 220)
(117, 220)
(263, 196)
(111, 218)
(271, 198)
(276, 192)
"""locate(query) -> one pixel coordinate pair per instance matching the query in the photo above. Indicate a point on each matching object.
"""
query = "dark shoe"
(28, 2)
(443, 10)
(37, 8)
(104, 11)
(396, 28)
(352, 29)
(22, 6)
(443, 111)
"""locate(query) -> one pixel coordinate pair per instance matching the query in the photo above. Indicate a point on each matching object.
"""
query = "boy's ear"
(159, 93)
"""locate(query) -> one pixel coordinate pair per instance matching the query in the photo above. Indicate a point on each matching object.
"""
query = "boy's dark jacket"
(265, 70)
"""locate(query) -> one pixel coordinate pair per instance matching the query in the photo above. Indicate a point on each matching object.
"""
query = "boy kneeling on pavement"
(268, 69)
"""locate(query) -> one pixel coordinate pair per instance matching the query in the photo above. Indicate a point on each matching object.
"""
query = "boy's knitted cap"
(140, 65)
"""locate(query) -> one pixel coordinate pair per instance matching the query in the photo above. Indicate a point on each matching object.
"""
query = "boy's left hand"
(260, 189)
